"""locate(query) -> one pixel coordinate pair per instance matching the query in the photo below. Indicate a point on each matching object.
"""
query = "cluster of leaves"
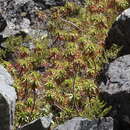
(58, 75)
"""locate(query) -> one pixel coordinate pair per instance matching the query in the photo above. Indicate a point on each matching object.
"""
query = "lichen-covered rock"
(117, 76)
(42, 123)
(120, 32)
(79, 123)
(7, 100)
(21, 15)
(115, 90)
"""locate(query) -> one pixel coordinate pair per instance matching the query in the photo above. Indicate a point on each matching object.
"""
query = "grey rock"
(7, 100)
(39, 33)
(42, 123)
(79, 123)
(21, 15)
(5, 75)
(73, 124)
(79, 2)
(29, 45)
(117, 76)
(119, 32)
(115, 90)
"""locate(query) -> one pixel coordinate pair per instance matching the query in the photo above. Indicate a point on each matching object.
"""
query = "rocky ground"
(20, 17)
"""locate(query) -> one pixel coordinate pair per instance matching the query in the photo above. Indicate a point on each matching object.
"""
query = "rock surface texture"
(119, 32)
(18, 16)
(79, 123)
(7, 100)
(39, 124)
(115, 91)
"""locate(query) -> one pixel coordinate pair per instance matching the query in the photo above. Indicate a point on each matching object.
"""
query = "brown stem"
(73, 24)
(74, 99)
(34, 101)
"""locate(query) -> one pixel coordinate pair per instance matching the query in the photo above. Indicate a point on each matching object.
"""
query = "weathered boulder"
(79, 123)
(115, 90)
(7, 100)
(20, 16)
(120, 32)
(23, 16)
(39, 124)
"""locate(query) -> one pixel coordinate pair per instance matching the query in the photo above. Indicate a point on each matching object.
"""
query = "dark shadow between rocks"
(4, 113)
(22, 34)
(3, 23)
(120, 111)
(2, 39)
(46, 4)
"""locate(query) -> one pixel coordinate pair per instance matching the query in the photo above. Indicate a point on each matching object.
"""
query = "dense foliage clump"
(59, 73)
